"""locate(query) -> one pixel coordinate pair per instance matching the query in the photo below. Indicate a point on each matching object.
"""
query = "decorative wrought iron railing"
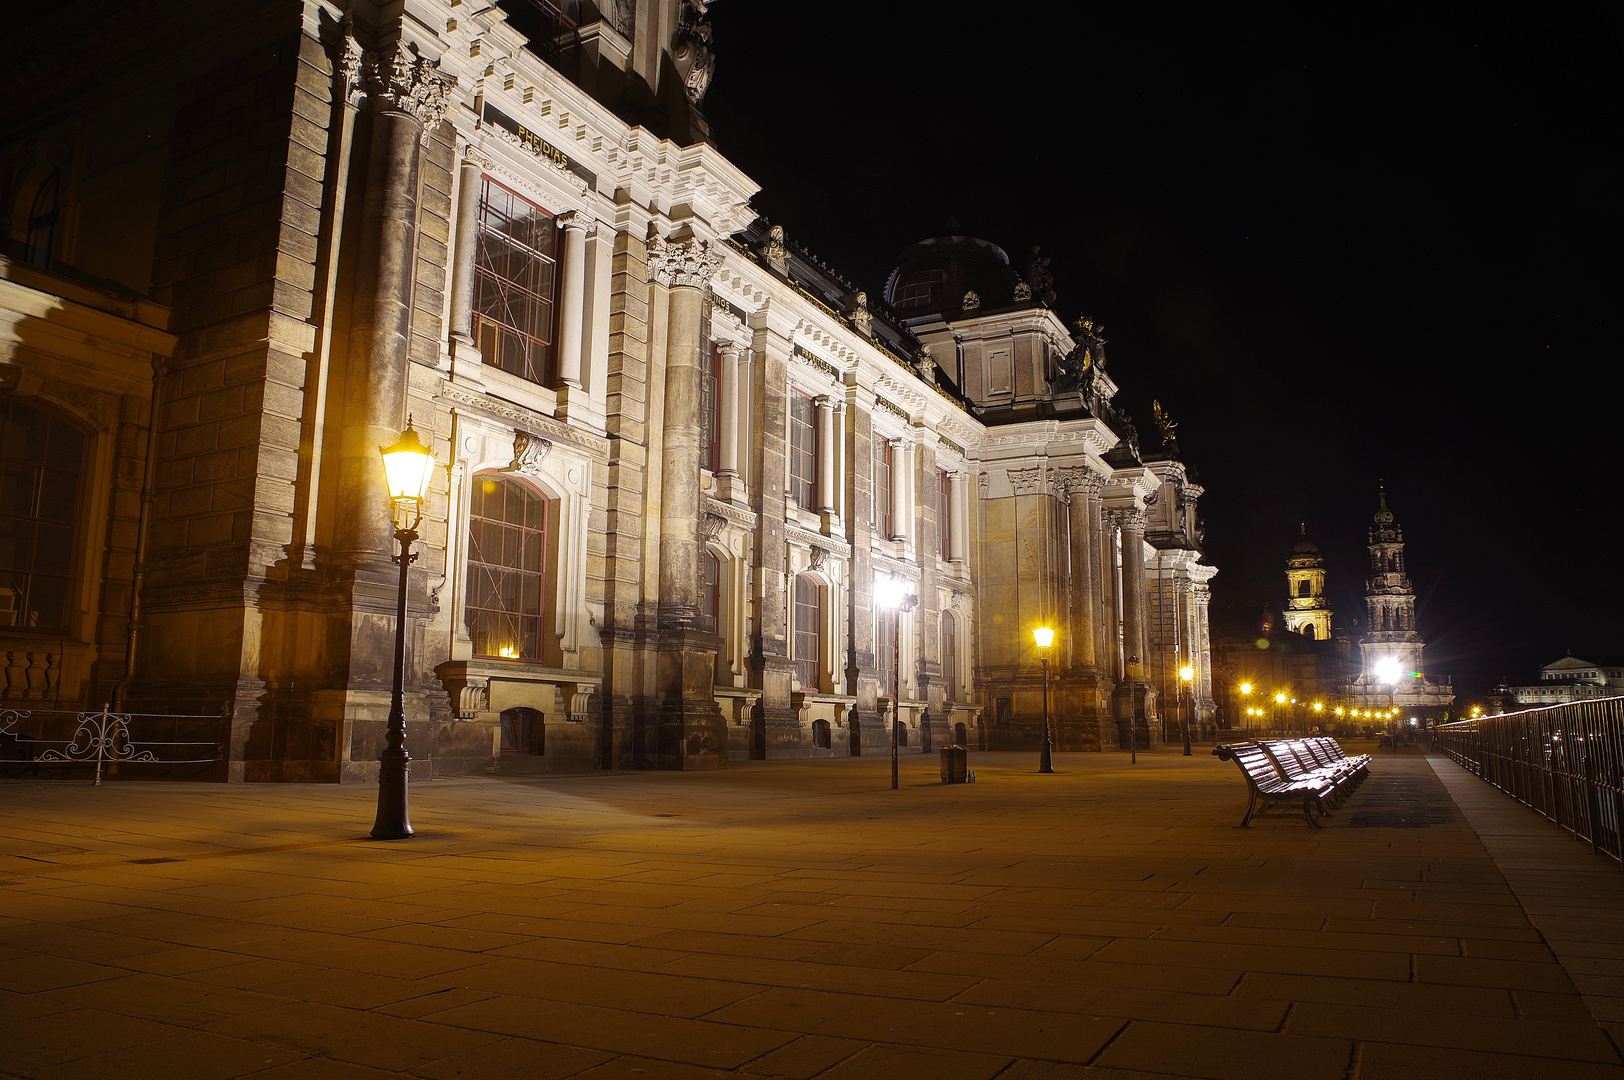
(1565, 761)
(100, 739)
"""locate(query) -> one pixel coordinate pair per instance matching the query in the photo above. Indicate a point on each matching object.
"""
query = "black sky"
(1338, 243)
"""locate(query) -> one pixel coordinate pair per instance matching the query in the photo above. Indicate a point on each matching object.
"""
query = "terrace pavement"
(800, 920)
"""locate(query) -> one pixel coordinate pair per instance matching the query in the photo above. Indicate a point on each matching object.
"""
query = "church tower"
(1306, 612)
(1391, 647)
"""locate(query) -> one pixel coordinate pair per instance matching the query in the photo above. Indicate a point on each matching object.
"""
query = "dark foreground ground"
(801, 920)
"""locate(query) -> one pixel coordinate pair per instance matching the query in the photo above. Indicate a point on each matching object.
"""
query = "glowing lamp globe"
(1186, 672)
(1044, 636)
(407, 466)
(1387, 669)
(1246, 688)
(1279, 699)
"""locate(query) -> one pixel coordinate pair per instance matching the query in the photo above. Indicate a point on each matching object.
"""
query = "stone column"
(839, 429)
(572, 300)
(1134, 699)
(825, 406)
(899, 489)
(469, 179)
(408, 95)
(691, 733)
(729, 465)
(960, 512)
(1083, 488)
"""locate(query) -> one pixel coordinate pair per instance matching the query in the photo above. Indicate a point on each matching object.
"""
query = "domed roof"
(1305, 546)
(935, 275)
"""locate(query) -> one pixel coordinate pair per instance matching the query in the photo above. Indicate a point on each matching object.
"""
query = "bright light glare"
(1387, 669)
(1246, 688)
(1044, 636)
(1186, 673)
(887, 591)
(1279, 699)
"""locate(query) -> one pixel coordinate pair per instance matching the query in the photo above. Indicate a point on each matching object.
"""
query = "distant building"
(1568, 679)
(1306, 612)
(1393, 674)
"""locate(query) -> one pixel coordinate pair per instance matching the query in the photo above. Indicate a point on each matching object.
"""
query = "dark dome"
(1305, 547)
(936, 273)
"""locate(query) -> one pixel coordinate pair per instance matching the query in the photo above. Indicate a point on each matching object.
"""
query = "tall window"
(515, 279)
(42, 217)
(808, 644)
(710, 591)
(507, 576)
(882, 484)
(40, 460)
(944, 511)
(950, 655)
(885, 649)
(710, 407)
(803, 451)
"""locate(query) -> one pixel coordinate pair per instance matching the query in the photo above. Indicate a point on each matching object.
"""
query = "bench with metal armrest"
(1266, 786)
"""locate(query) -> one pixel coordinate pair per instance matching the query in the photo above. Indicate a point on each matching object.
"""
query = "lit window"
(40, 461)
(710, 407)
(885, 649)
(808, 644)
(882, 484)
(507, 578)
(710, 591)
(950, 657)
(944, 516)
(514, 283)
(803, 451)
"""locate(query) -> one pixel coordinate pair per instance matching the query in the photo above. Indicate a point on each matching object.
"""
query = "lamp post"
(1279, 703)
(888, 593)
(407, 465)
(1186, 673)
(1246, 695)
(1044, 636)
(1387, 670)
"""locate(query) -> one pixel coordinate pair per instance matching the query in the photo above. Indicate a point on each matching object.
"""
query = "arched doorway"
(524, 731)
(960, 733)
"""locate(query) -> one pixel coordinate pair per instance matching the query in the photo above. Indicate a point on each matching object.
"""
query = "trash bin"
(955, 765)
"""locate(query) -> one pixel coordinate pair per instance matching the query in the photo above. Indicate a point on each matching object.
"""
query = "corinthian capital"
(1080, 480)
(409, 83)
(1128, 519)
(687, 264)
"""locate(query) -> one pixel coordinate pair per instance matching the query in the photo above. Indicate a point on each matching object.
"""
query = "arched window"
(1303, 588)
(710, 591)
(515, 283)
(881, 518)
(40, 461)
(507, 568)
(822, 737)
(42, 217)
(950, 655)
(1308, 630)
(803, 451)
(808, 643)
(524, 731)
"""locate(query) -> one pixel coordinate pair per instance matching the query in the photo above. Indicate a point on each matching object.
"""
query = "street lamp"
(406, 466)
(1186, 673)
(1246, 692)
(1044, 636)
(890, 593)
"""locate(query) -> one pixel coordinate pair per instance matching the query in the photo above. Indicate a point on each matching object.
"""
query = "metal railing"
(1565, 761)
(101, 738)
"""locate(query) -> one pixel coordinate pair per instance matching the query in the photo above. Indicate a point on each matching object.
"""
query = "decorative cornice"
(520, 418)
(816, 540)
(735, 515)
(528, 453)
(686, 264)
(1079, 479)
(894, 410)
(1026, 481)
(813, 360)
(1127, 518)
(943, 440)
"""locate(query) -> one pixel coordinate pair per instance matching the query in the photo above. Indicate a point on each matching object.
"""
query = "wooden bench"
(1266, 786)
(1296, 760)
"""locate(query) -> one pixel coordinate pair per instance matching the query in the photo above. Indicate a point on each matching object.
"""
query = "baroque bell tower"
(1306, 612)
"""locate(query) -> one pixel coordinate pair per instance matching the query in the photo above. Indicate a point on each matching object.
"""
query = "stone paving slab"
(800, 920)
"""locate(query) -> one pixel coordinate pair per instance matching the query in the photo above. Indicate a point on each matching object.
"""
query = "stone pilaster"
(1134, 699)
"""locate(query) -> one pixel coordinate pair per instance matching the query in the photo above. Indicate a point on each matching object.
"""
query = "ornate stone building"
(683, 466)
(1392, 672)
(1306, 610)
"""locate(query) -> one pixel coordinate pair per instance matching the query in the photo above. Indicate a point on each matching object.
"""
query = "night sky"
(1338, 244)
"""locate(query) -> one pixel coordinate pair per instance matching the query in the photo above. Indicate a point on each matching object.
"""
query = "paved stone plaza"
(800, 920)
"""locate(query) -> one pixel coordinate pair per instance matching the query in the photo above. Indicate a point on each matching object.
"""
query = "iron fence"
(1565, 761)
(102, 738)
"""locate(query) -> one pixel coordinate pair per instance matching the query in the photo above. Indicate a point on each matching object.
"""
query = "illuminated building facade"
(1306, 610)
(1392, 673)
(679, 458)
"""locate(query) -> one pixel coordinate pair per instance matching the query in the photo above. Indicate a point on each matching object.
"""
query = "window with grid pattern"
(710, 407)
(515, 281)
(710, 591)
(507, 568)
(40, 461)
(803, 450)
(882, 484)
(944, 511)
(950, 655)
(885, 649)
(808, 644)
